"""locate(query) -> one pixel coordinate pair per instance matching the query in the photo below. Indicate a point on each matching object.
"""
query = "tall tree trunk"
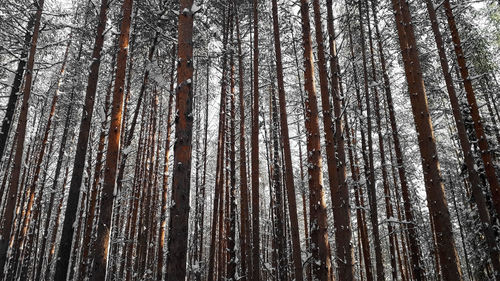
(279, 217)
(8, 215)
(81, 150)
(231, 235)
(319, 236)
(217, 206)
(179, 212)
(163, 214)
(109, 192)
(16, 86)
(371, 184)
(255, 148)
(91, 212)
(432, 175)
(416, 263)
(244, 220)
(486, 156)
(473, 176)
(285, 138)
(341, 201)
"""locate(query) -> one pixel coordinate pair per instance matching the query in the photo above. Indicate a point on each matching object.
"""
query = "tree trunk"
(341, 201)
(109, 192)
(179, 212)
(255, 149)
(432, 175)
(91, 212)
(8, 215)
(244, 220)
(285, 138)
(79, 163)
(319, 236)
(473, 176)
(16, 86)
(486, 156)
(163, 214)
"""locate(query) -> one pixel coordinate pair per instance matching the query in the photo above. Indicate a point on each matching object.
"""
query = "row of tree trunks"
(285, 139)
(486, 156)
(385, 180)
(8, 216)
(465, 145)
(360, 213)
(81, 150)
(217, 205)
(416, 263)
(341, 201)
(369, 161)
(16, 86)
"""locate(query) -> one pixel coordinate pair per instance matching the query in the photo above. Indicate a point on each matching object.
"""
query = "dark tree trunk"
(10, 205)
(81, 150)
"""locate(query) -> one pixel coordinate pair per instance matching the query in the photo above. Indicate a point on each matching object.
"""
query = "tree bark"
(450, 264)
(81, 150)
(8, 215)
(473, 176)
(16, 86)
(486, 156)
(244, 220)
(255, 149)
(285, 140)
(320, 247)
(181, 182)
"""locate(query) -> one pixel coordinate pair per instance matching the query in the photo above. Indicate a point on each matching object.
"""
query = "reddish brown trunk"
(432, 175)
(319, 236)
(21, 133)
(473, 177)
(109, 192)
(91, 212)
(416, 264)
(486, 156)
(289, 181)
(179, 212)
